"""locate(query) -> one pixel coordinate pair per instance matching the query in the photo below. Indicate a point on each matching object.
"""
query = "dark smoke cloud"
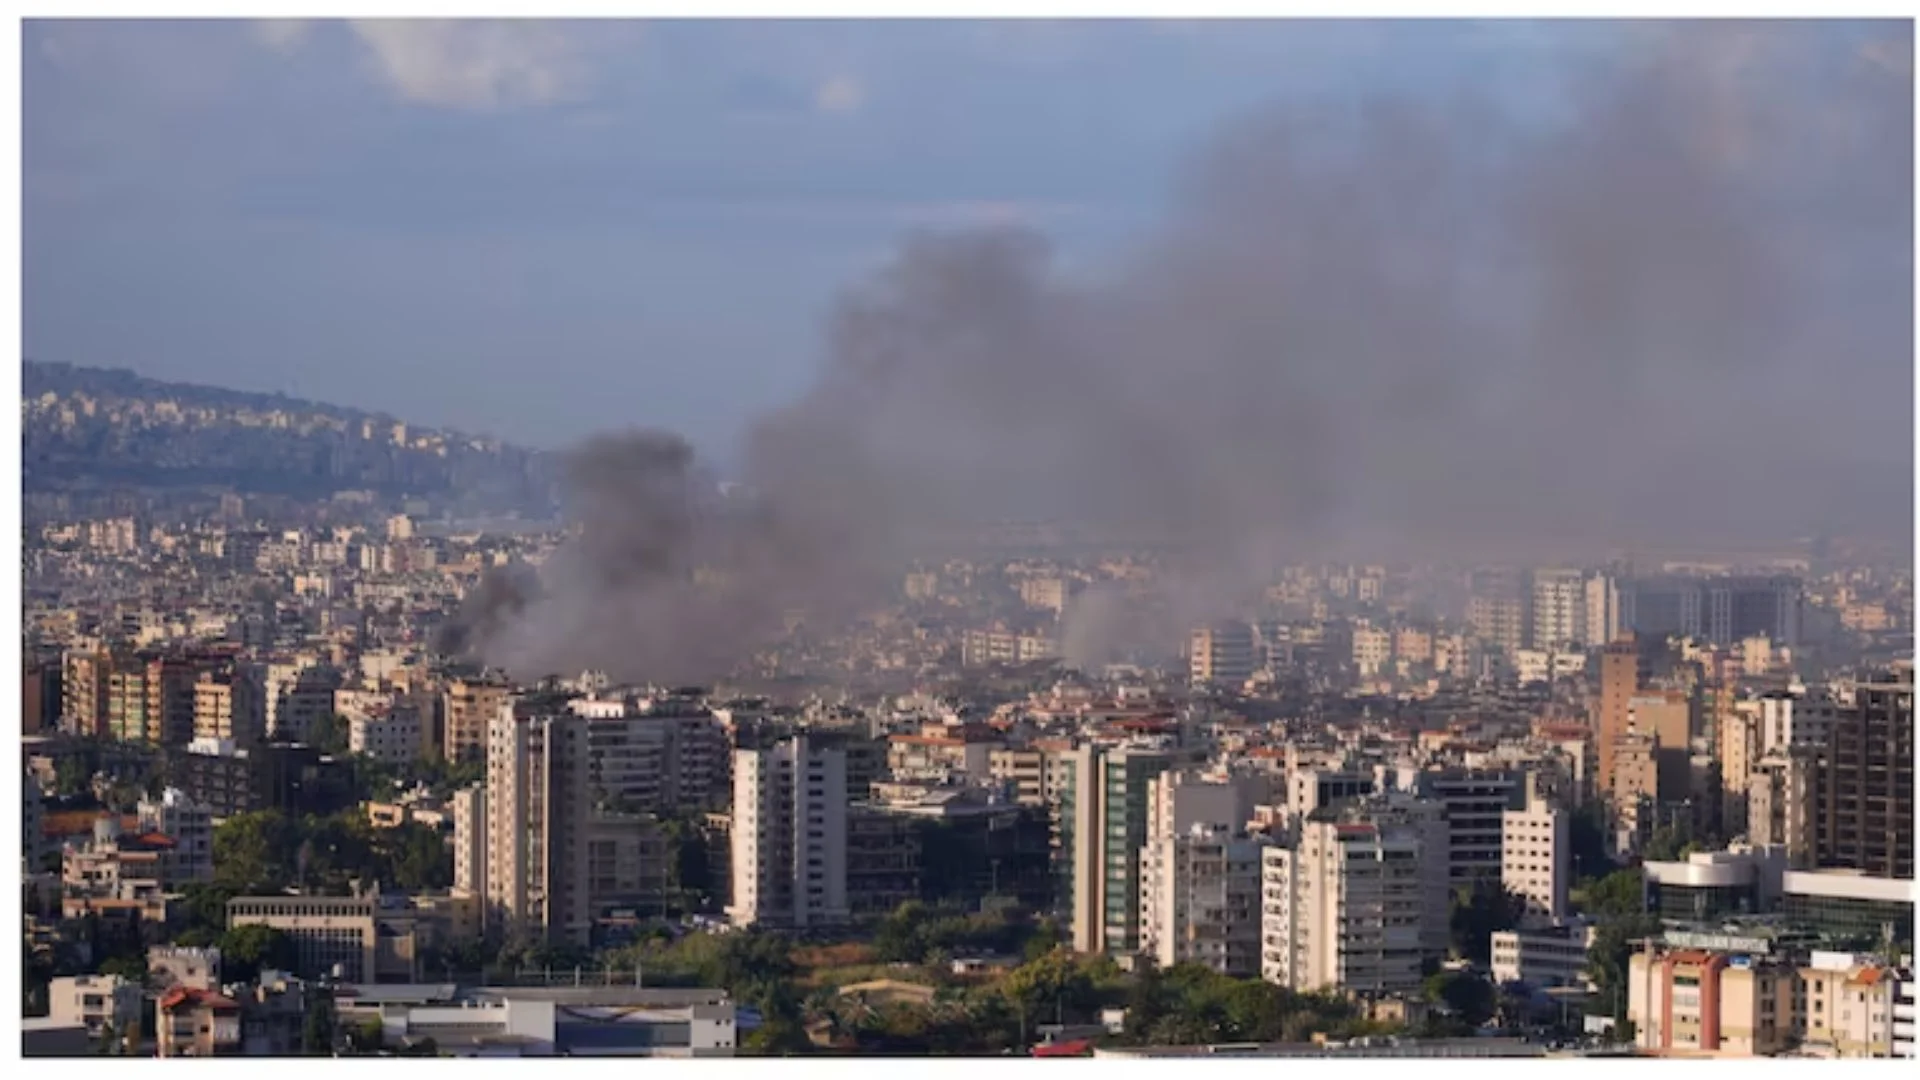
(1677, 309)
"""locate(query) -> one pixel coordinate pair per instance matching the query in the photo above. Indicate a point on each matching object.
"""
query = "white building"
(1788, 721)
(1536, 857)
(1559, 602)
(1544, 955)
(1349, 905)
(1200, 901)
(789, 836)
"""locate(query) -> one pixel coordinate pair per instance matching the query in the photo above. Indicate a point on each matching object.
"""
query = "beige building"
(227, 706)
(364, 938)
(95, 1002)
(1845, 1006)
(1781, 803)
(471, 708)
(539, 800)
(1700, 1002)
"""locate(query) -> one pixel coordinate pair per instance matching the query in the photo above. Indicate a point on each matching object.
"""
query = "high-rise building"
(1782, 802)
(1602, 611)
(226, 705)
(1497, 608)
(1105, 811)
(1475, 802)
(538, 805)
(1350, 905)
(1536, 857)
(1865, 818)
(470, 708)
(1722, 610)
(1557, 617)
(470, 841)
(789, 836)
(1200, 900)
(1222, 655)
(1625, 666)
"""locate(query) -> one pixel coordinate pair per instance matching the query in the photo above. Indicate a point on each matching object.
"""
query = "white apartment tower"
(789, 836)
(1346, 907)
(1559, 600)
(1536, 856)
(1200, 901)
(1602, 614)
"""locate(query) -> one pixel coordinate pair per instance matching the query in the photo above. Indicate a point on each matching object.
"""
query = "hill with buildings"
(89, 430)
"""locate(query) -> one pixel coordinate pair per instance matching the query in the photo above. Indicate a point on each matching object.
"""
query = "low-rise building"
(1710, 1002)
(95, 1002)
(197, 1023)
(1547, 956)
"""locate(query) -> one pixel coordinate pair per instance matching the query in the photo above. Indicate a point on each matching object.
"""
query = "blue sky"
(541, 230)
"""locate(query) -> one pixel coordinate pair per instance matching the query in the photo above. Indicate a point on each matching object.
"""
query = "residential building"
(197, 1023)
(1704, 1002)
(1721, 610)
(470, 841)
(1846, 1004)
(471, 707)
(1536, 857)
(99, 1003)
(1476, 802)
(1866, 815)
(789, 836)
(1200, 900)
(189, 824)
(1345, 907)
(1558, 610)
(1222, 655)
(539, 800)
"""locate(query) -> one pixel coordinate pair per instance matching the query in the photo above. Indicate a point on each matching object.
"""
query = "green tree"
(1470, 997)
(1480, 911)
(329, 734)
(255, 852)
(1618, 895)
(246, 950)
(317, 1027)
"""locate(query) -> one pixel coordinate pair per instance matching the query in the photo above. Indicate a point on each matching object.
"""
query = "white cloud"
(458, 63)
(281, 34)
(840, 94)
(474, 63)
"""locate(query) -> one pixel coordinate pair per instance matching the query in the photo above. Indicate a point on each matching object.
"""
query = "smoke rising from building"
(1673, 305)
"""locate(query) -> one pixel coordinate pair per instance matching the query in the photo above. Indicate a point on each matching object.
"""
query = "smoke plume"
(1670, 304)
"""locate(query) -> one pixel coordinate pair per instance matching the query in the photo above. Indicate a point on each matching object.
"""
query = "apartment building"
(470, 841)
(539, 800)
(1734, 1004)
(1866, 814)
(789, 836)
(1476, 802)
(1200, 900)
(98, 1003)
(1845, 1005)
(1349, 904)
(197, 1023)
(1223, 655)
(390, 731)
(1558, 617)
(470, 709)
(1536, 857)
(189, 824)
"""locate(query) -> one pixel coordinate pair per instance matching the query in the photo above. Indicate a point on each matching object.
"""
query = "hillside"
(87, 429)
